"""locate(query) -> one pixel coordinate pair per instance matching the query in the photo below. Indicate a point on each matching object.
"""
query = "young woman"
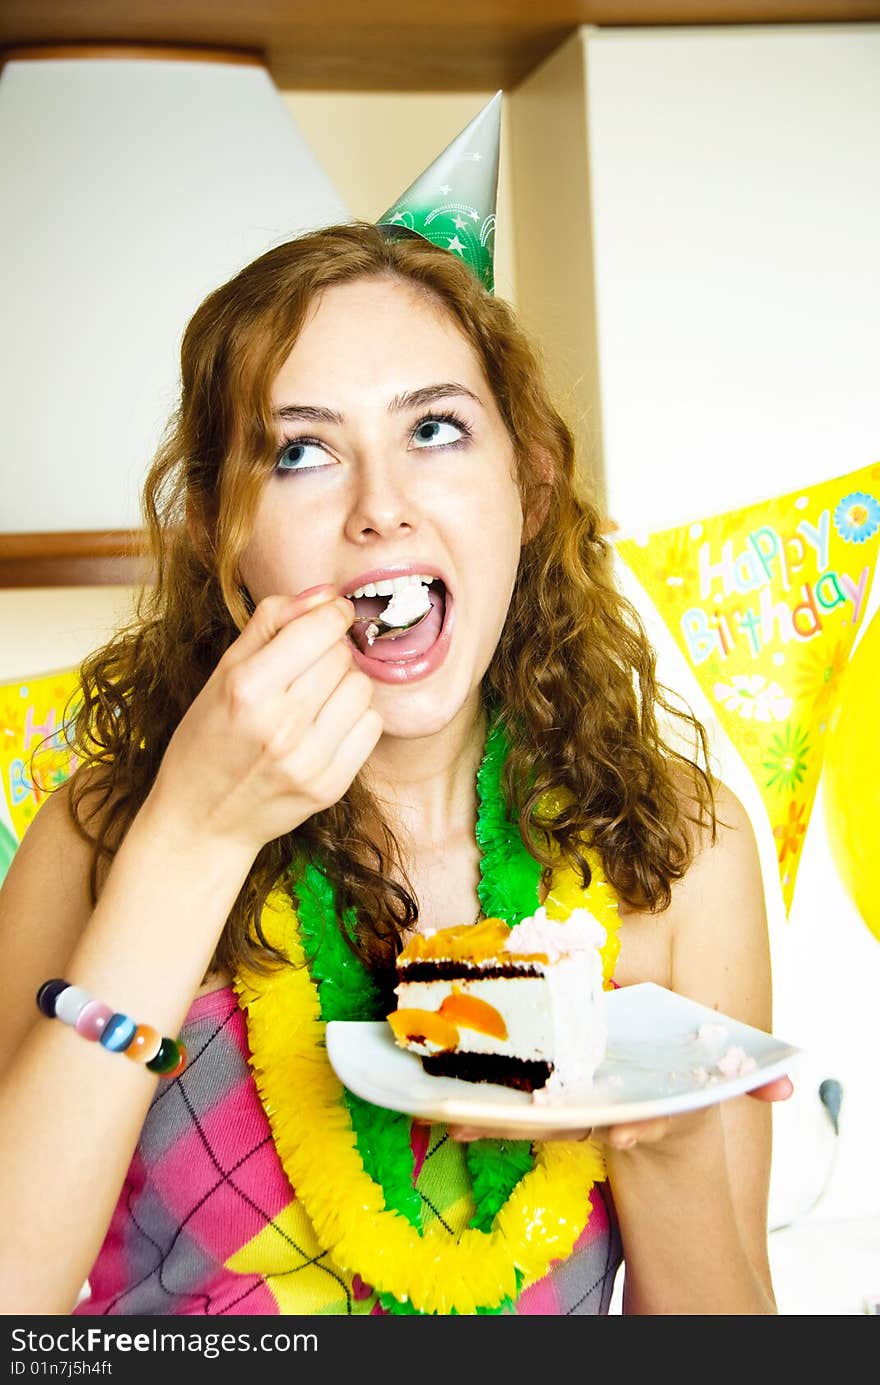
(357, 409)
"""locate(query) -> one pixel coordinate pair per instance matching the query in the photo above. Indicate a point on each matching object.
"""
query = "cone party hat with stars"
(452, 204)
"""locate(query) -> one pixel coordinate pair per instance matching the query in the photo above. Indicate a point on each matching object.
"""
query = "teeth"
(388, 586)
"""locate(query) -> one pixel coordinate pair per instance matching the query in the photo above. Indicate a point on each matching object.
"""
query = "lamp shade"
(131, 188)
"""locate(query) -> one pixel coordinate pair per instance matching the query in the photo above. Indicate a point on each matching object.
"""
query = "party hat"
(452, 204)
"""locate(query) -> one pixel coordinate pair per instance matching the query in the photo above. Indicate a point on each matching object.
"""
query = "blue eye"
(290, 458)
(430, 432)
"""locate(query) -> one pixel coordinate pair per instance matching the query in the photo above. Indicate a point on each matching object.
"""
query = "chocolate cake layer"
(526, 1074)
(461, 971)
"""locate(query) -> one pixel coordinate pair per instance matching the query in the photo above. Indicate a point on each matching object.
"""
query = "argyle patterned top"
(207, 1222)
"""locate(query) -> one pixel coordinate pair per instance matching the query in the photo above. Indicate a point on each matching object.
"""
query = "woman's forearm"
(71, 1113)
(684, 1249)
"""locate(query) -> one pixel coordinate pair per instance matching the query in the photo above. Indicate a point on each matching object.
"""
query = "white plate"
(652, 1068)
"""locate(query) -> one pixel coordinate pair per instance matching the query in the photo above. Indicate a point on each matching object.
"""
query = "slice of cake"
(522, 1006)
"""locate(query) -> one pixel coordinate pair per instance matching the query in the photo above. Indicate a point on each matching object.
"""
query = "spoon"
(393, 630)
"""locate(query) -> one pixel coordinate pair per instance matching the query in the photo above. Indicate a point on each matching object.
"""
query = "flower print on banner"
(790, 833)
(857, 517)
(765, 603)
(751, 696)
(818, 678)
(787, 759)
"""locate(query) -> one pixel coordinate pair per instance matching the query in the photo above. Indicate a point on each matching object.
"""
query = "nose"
(383, 503)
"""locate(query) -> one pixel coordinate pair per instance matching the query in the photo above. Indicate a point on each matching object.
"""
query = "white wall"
(736, 220)
(118, 220)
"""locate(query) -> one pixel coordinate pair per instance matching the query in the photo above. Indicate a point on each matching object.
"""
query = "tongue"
(409, 643)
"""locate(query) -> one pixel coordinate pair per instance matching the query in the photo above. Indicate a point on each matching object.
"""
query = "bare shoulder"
(725, 857)
(51, 851)
(44, 906)
(720, 950)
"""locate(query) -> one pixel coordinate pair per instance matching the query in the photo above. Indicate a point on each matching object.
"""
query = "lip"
(423, 665)
(377, 574)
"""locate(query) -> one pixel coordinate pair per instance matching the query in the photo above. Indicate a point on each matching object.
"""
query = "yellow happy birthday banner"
(765, 603)
(32, 709)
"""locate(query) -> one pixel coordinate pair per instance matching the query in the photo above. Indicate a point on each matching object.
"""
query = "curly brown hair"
(572, 678)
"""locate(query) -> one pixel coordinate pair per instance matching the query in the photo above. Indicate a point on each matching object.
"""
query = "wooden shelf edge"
(92, 558)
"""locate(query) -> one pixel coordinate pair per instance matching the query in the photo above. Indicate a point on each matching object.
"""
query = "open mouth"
(401, 626)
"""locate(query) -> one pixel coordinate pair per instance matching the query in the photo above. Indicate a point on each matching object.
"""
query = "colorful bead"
(92, 1020)
(69, 1003)
(180, 1064)
(145, 1045)
(170, 1060)
(48, 994)
(118, 1033)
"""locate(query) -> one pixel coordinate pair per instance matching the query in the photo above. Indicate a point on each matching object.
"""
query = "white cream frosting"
(557, 938)
(406, 604)
(735, 1062)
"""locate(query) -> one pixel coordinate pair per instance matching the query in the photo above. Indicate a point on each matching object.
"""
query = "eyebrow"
(411, 399)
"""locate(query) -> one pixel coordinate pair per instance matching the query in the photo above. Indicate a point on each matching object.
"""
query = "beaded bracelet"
(58, 999)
